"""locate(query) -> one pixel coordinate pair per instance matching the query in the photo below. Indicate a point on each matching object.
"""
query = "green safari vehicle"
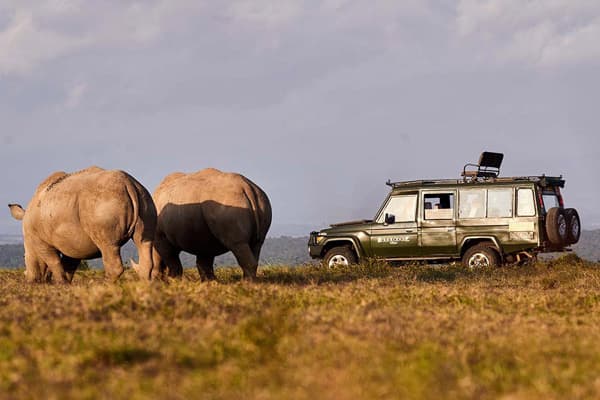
(482, 219)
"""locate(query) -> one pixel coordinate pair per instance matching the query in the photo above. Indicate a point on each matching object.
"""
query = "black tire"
(556, 226)
(340, 255)
(483, 255)
(573, 225)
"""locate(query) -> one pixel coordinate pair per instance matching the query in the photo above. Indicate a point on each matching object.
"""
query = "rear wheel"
(556, 226)
(573, 225)
(339, 256)
(481, 256)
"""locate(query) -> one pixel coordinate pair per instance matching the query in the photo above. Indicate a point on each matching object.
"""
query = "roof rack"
(422, 182)
(542, 180)
(545, 181)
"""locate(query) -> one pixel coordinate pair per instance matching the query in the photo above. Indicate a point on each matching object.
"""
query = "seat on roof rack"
(488, 166)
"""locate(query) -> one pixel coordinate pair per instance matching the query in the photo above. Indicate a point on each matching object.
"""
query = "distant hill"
(11, 239)
(589, 245)
(12, 255)
(292, 230)
(282, 250)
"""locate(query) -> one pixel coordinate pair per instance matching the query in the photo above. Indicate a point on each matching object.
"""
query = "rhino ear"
(16, 211)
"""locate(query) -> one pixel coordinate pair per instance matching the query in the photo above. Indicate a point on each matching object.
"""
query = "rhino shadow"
(208, 229)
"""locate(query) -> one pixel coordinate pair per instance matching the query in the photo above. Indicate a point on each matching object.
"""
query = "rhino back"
(77, 207)
(210, 209)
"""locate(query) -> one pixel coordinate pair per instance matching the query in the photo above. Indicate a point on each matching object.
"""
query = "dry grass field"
(372, 331)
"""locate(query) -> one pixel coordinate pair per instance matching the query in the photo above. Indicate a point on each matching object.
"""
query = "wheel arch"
(335, 242)
(471, 241)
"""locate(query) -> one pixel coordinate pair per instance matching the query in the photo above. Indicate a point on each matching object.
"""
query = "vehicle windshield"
(402, 207)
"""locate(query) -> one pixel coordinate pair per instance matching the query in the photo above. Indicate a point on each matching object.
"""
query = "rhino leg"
(170, 256)
(46, 274)
(113, 264)
(33, 268)
(145, 267)
(256, 251)
(51, 258)
(159, 267)
(70, 265)
(174, 266)
(246, 260)
(204, 264)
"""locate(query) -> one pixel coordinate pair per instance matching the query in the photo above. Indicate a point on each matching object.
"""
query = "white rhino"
(83, 215)
(208, 213)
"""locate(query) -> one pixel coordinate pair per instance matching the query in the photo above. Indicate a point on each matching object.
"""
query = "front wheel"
(481, 256)
(339, 256)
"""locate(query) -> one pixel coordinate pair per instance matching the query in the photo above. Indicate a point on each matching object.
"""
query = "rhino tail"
(16, 211)
(135, 202)
(251, 196)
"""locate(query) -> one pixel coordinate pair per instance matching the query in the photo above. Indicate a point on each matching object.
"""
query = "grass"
(371, 331)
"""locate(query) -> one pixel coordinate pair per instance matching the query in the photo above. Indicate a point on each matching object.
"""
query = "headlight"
(321, 238)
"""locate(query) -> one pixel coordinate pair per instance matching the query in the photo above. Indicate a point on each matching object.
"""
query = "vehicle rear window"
(525, 203)
(481, 203)
(500, 203)
(472, 203)
(550, 200)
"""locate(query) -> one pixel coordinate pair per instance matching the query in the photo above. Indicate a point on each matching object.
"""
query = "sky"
(318, 102)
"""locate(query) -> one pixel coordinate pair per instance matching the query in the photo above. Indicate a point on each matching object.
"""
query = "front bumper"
(315, 251)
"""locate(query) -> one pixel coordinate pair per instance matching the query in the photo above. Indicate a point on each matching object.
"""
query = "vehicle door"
(524, 232)
(394, 233)
(438, 223)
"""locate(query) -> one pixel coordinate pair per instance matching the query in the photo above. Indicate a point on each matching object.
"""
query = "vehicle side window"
(439, 205)
(500, 203)
(403, 208)
(472, 203)
(525, 203)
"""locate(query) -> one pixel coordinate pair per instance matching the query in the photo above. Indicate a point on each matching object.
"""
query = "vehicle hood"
(355, 222)
(350, 226)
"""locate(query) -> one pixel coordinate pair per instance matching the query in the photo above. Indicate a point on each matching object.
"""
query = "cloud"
(36, 34)
(544, 33)
(535, 33)
(24, 44)
(160, 54)
(75, 95)
(270, 14)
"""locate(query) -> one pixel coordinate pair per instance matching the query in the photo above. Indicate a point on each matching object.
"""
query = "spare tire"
(556, 226)
(573, 225)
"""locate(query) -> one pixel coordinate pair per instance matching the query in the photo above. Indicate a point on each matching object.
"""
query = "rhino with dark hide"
(83, 215)
(208, 213)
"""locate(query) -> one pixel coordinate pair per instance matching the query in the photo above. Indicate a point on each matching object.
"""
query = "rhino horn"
(134, 265)
(139, 270)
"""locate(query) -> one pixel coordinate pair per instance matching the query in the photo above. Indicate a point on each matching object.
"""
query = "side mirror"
(390, 218)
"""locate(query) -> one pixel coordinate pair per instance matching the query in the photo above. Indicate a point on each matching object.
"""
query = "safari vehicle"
(482, 219)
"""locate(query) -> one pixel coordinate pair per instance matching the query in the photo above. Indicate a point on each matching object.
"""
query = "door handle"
(408, 231)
